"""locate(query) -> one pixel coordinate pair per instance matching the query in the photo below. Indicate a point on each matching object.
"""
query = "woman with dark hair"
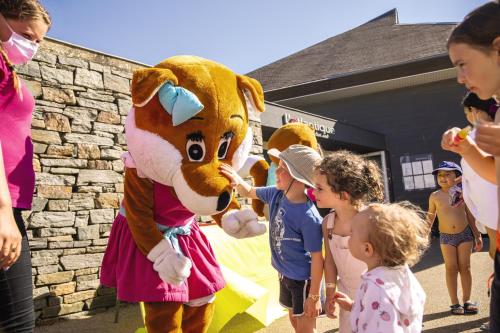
(23, 25)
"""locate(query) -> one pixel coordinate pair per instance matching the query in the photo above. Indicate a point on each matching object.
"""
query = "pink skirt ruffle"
(125, 268)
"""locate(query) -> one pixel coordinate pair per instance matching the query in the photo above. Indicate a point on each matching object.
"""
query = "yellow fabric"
(252, 283)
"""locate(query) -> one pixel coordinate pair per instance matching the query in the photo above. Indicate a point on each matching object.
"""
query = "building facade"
(382, 77)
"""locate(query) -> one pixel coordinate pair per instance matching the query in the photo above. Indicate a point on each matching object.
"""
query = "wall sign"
(320, 129)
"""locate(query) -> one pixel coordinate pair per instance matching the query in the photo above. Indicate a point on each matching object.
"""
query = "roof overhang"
(394, 76)
(370, 88)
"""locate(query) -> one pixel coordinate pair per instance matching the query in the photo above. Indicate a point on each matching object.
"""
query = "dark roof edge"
(407, 68)
(429, 23)
(437, 56)
(392, 12)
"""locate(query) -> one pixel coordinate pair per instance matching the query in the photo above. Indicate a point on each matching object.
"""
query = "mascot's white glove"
(242, 223)
(173, 267)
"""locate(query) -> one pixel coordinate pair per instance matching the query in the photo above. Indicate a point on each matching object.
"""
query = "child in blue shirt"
(295, 232)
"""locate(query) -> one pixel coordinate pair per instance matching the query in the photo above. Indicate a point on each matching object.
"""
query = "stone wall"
(82, 99)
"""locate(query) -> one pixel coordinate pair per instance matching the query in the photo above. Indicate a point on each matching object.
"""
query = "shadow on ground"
(459, 327)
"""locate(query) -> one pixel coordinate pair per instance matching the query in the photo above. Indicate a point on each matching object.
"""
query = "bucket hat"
(300, 161)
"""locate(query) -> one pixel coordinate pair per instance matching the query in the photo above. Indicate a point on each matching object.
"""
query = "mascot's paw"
(242, 223)
(173, 267)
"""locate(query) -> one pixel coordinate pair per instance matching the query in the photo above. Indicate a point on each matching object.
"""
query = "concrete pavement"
(430, 273)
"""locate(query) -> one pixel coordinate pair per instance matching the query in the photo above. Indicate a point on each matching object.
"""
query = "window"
(417, 172)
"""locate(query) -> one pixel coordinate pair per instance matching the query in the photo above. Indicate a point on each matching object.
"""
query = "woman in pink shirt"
(23, 24)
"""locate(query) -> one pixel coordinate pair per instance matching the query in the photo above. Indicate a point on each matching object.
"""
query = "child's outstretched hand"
(230, 173)
(488, 137)
(343, 301)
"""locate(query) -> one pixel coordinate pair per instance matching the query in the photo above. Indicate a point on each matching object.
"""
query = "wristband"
(330, 285)
(313, 297)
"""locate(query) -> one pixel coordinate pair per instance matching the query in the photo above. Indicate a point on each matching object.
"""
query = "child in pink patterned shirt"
(388, 238)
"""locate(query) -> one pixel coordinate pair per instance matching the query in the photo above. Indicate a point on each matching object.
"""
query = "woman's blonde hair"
(22, 10)
(398, 232)
(351, 173)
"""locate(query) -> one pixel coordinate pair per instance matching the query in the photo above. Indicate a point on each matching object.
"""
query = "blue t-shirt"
(294, 232)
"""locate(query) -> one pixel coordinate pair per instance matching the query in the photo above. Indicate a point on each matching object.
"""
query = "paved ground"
(430, 273)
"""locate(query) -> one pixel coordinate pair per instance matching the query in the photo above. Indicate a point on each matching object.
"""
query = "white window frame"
(385, 179)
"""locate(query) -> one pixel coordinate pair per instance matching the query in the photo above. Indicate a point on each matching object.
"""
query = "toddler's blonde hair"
(398, 232)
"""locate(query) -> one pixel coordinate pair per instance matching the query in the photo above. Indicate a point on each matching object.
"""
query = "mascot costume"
(265, 174)
(189, 115)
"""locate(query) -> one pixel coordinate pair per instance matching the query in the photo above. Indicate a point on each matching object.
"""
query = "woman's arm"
(488, 138)
(10, 237)
(482, 163)
(478, 240)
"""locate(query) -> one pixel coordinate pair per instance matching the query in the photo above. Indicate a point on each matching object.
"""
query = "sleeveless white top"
(349, 269)
(480, 195)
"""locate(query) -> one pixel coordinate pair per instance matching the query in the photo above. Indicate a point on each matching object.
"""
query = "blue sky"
(243, 35)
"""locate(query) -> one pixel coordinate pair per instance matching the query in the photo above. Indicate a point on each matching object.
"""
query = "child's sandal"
(470, 307)
(485, 327)
(456, 309)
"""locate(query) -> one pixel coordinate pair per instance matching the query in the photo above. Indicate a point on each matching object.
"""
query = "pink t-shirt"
(15, 138)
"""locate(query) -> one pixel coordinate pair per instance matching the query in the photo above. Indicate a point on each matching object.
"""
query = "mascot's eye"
(224, 143)
(195, 150)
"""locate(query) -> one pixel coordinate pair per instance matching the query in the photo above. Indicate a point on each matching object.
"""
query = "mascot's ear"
(147, 81)
(253, 91)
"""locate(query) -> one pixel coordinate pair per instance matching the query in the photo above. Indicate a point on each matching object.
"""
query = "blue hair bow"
(180, 103)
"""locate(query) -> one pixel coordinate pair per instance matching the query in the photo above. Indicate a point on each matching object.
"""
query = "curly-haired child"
(388, 238)
(344, 182)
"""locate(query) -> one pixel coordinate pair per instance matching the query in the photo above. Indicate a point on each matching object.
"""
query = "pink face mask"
(19, 49)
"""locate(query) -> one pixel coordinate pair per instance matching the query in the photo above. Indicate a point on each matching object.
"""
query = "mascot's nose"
(223, 201)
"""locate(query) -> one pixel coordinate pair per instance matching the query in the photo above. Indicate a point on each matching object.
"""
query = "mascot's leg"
(196, 319)
(164, 317)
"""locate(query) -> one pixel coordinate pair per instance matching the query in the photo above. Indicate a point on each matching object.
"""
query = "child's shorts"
(293, 294)
(457, 239)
